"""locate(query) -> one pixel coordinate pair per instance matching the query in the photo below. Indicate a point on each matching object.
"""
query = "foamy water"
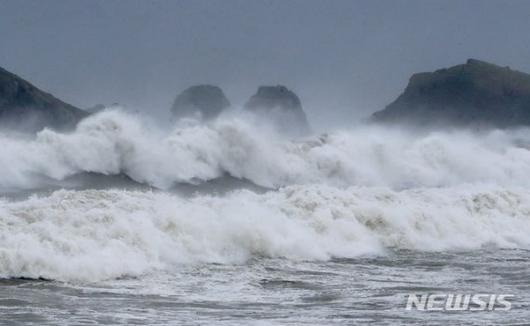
(115, 142)
(94, 235)
(349, 221)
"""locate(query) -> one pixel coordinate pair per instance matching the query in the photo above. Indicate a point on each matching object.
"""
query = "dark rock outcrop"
(24, 107)
(203, 101)
(282, 106)
(476, 93)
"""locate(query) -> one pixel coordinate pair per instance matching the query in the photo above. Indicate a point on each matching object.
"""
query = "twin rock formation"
(278, 104)
(476, 93)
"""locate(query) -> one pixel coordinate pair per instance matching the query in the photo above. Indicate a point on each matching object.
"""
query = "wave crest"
(99, 234)
(118, 143)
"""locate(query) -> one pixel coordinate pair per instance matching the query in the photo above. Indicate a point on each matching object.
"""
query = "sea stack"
(204, 102)
(24, 107)
(282, 106)
(476, 93)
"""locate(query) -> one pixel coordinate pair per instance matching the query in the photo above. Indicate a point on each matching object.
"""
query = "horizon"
(344, 59)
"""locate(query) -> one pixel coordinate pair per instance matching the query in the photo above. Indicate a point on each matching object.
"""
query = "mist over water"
(116, 142)
(342, 194)
(196, 220)
(249, 218)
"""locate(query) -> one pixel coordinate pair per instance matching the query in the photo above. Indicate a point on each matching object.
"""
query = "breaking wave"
(340, 194)
(114, 143)
(93, 235)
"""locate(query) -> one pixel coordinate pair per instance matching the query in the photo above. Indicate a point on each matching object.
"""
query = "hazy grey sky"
(344, 58)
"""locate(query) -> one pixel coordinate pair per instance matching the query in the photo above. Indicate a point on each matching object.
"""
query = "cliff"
(474, 93)
(24, 107)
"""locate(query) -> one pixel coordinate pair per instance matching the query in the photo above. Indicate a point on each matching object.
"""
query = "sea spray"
(93, 235)
(114, 142)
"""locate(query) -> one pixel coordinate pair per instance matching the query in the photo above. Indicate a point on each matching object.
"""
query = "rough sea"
(231, 223)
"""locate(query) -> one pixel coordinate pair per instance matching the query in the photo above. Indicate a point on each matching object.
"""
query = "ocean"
(122, 222)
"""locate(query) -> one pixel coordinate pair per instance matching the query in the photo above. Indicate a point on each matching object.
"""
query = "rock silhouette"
(205, 102)
(474, 93)
(282, 106)
(24, 107)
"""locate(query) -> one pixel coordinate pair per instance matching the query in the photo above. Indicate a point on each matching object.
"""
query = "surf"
(93, 235)
(118, 143)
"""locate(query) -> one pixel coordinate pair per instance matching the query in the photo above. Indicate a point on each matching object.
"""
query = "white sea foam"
(100, 234)
(114, 142)
(341, 194)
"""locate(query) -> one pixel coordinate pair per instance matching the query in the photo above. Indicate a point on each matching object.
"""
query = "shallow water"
(281, 292)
